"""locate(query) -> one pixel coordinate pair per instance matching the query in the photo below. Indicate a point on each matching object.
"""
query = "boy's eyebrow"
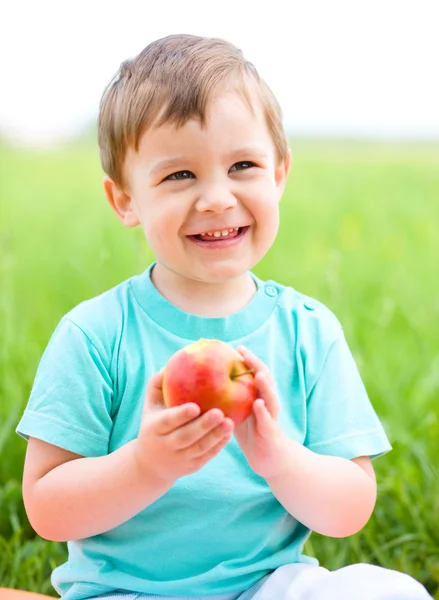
(169, 163)
(249, 150)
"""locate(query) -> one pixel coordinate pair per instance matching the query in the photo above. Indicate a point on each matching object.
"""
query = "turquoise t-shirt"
(221, 529)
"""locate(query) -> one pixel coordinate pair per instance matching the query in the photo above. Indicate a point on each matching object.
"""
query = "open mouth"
(226, 234)
(219, 239)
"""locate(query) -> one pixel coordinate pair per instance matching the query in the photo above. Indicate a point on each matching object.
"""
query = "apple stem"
(250, 371)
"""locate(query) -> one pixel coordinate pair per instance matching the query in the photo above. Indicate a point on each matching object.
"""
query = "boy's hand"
(177, 441)
(260, 437)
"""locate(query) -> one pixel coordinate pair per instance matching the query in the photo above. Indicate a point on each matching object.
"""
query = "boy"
(168, 503)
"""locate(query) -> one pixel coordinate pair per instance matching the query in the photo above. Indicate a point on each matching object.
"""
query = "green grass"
(360, 231)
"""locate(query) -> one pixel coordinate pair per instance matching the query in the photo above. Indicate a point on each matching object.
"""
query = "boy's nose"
(216, 199)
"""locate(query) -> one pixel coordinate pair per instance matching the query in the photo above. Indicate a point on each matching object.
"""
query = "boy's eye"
(179, 175)
(242, 166)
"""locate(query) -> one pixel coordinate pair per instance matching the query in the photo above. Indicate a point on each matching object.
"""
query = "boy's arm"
(70, 497)
(80, 497)
(332, 496)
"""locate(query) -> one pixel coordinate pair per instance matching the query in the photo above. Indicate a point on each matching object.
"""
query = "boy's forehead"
(230, 121)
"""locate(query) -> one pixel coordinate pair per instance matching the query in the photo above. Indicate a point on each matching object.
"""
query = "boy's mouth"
(214, 236)
(219, 239)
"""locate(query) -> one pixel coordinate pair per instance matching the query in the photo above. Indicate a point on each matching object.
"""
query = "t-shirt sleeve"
(71, 398)
(341, 420)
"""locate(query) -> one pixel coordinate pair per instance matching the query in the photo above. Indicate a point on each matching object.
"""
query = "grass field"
(360, 232)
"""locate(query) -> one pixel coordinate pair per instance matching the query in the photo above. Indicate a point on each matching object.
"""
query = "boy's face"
(188, 182)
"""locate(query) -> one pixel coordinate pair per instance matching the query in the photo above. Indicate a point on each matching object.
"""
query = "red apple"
(213, 375)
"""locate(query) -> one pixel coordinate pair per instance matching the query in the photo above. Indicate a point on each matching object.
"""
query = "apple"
(213, 375)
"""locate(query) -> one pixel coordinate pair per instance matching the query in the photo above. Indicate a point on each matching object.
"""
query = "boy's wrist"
(145, 471)
(290, 455)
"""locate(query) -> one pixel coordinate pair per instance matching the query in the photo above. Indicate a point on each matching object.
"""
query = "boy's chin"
(221, 274)
(209, 274)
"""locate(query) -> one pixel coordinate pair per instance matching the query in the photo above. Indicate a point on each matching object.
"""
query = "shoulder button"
(270, 290)
(309, 305)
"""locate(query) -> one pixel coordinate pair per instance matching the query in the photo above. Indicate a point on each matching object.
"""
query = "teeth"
(222, 233)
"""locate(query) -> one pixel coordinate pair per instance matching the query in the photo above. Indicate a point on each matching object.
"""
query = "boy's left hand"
(260, 436)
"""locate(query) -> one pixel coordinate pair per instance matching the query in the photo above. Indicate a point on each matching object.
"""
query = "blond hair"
(172, 81)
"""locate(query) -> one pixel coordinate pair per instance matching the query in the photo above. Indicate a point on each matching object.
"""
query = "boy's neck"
(204, 299)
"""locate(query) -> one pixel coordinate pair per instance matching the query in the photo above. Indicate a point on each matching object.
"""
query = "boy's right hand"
(177, 441)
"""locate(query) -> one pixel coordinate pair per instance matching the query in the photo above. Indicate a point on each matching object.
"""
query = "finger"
(172, 419)
(252, 361)
(211, 440)
(214, 450)
(154, 391)
(194, 431)
(264, 422)
(267, 391)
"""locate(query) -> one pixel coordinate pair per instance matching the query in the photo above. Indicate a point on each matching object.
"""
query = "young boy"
(168, 503)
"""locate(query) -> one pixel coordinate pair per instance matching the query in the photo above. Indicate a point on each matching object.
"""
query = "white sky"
(338, 67)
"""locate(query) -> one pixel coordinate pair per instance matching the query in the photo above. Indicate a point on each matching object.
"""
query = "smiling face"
(206, 196)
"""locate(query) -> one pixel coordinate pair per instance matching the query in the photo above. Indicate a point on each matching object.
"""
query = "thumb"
(154, 390)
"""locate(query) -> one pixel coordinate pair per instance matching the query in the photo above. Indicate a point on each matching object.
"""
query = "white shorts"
(309, 582)
(355, 582)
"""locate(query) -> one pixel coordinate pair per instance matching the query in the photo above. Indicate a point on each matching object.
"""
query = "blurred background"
(340, 69)
(358, 84)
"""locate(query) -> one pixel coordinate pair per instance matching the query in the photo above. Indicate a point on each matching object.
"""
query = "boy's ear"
(121, 203)
(282, 170)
